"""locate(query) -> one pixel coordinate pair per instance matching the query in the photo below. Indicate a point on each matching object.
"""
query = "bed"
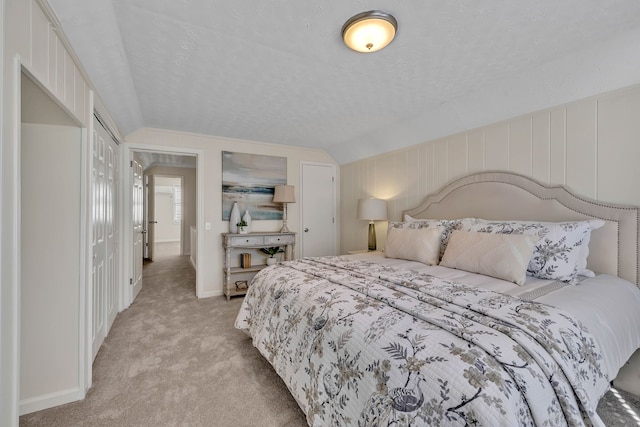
(386, 339)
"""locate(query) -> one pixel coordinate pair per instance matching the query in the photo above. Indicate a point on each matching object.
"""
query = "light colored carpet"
(173, 360)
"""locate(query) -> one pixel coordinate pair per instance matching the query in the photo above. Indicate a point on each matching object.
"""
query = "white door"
(145, 219)
(113, 231)
(106, 266)
(138, 216)
(318, 207)
(150, 191)
(99, 248)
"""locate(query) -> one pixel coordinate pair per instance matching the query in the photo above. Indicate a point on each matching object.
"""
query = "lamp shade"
(284, 194)
(372, 209)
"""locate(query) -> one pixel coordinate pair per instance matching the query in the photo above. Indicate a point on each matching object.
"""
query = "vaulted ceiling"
(278, 72)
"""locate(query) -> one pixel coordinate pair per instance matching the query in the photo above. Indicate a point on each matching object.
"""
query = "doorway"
(173, 227)
(166, 238)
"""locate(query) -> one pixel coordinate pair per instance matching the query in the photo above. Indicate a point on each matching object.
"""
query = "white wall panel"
(520, 153)
(69, 81)
(540, 146)
(52, 66)
(581, 147)
(389, 185)
(402, 178)
(79, 96)
(413, 176)
(40, 44)
(347, 189)
(440, 163)
(60, 64)
(496, 147)
(431, 170)
(365, 180)
(457, 156)
(475, 144)
(619, 147)
(558, 146)
(592, 145)
(422, 171)
(367, 175)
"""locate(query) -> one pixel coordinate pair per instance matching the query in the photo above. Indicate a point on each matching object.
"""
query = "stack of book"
(245, 260)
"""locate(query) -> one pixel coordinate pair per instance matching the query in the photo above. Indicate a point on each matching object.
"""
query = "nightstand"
(232, 241)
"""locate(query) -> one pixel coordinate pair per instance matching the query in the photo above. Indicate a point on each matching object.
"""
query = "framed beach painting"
(249, 179)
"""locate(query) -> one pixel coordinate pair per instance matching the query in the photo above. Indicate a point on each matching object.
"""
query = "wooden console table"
(231, 241)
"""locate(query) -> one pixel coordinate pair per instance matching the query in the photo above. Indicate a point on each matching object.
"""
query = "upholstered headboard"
(503, 195)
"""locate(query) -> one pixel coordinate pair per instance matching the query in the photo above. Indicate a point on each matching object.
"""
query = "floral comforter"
(360, 344)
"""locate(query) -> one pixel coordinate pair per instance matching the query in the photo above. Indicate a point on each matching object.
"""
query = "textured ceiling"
(278, 72)
(150, 159)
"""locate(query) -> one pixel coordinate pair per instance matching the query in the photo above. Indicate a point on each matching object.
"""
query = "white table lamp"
(372, 210)
(284, 194)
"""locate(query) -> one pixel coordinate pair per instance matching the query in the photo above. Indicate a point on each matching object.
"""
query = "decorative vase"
(234, 218)
(247, 218)
(271, 260)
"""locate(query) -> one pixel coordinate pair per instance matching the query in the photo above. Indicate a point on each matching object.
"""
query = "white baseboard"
(50, 400)
(167, 241)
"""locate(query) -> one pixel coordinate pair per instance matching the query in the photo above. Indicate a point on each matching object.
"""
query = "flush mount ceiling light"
(369, 31)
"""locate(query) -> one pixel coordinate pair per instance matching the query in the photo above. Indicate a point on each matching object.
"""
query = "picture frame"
(250, 179)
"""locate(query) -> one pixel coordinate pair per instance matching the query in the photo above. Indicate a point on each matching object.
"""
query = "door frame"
(151, 236)
(336, 224)
(127, 265)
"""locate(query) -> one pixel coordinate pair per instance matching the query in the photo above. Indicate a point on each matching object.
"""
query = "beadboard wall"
(592, 146)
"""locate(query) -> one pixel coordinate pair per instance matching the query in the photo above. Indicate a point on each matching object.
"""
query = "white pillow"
(558, 252)
(448, 225)
(505, 256)
(419, 244)
(594, 224)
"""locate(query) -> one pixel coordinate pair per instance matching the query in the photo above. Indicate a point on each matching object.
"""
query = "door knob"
(144, 231)
(153, 222)
(306, 230)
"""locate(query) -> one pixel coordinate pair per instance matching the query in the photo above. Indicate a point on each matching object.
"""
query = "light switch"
(207, 226)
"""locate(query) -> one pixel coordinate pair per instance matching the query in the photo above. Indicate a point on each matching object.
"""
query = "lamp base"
(284, 228)
(372, 236)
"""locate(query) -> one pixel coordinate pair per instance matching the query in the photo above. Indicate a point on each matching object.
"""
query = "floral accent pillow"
(556, 255)
(447, 225)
